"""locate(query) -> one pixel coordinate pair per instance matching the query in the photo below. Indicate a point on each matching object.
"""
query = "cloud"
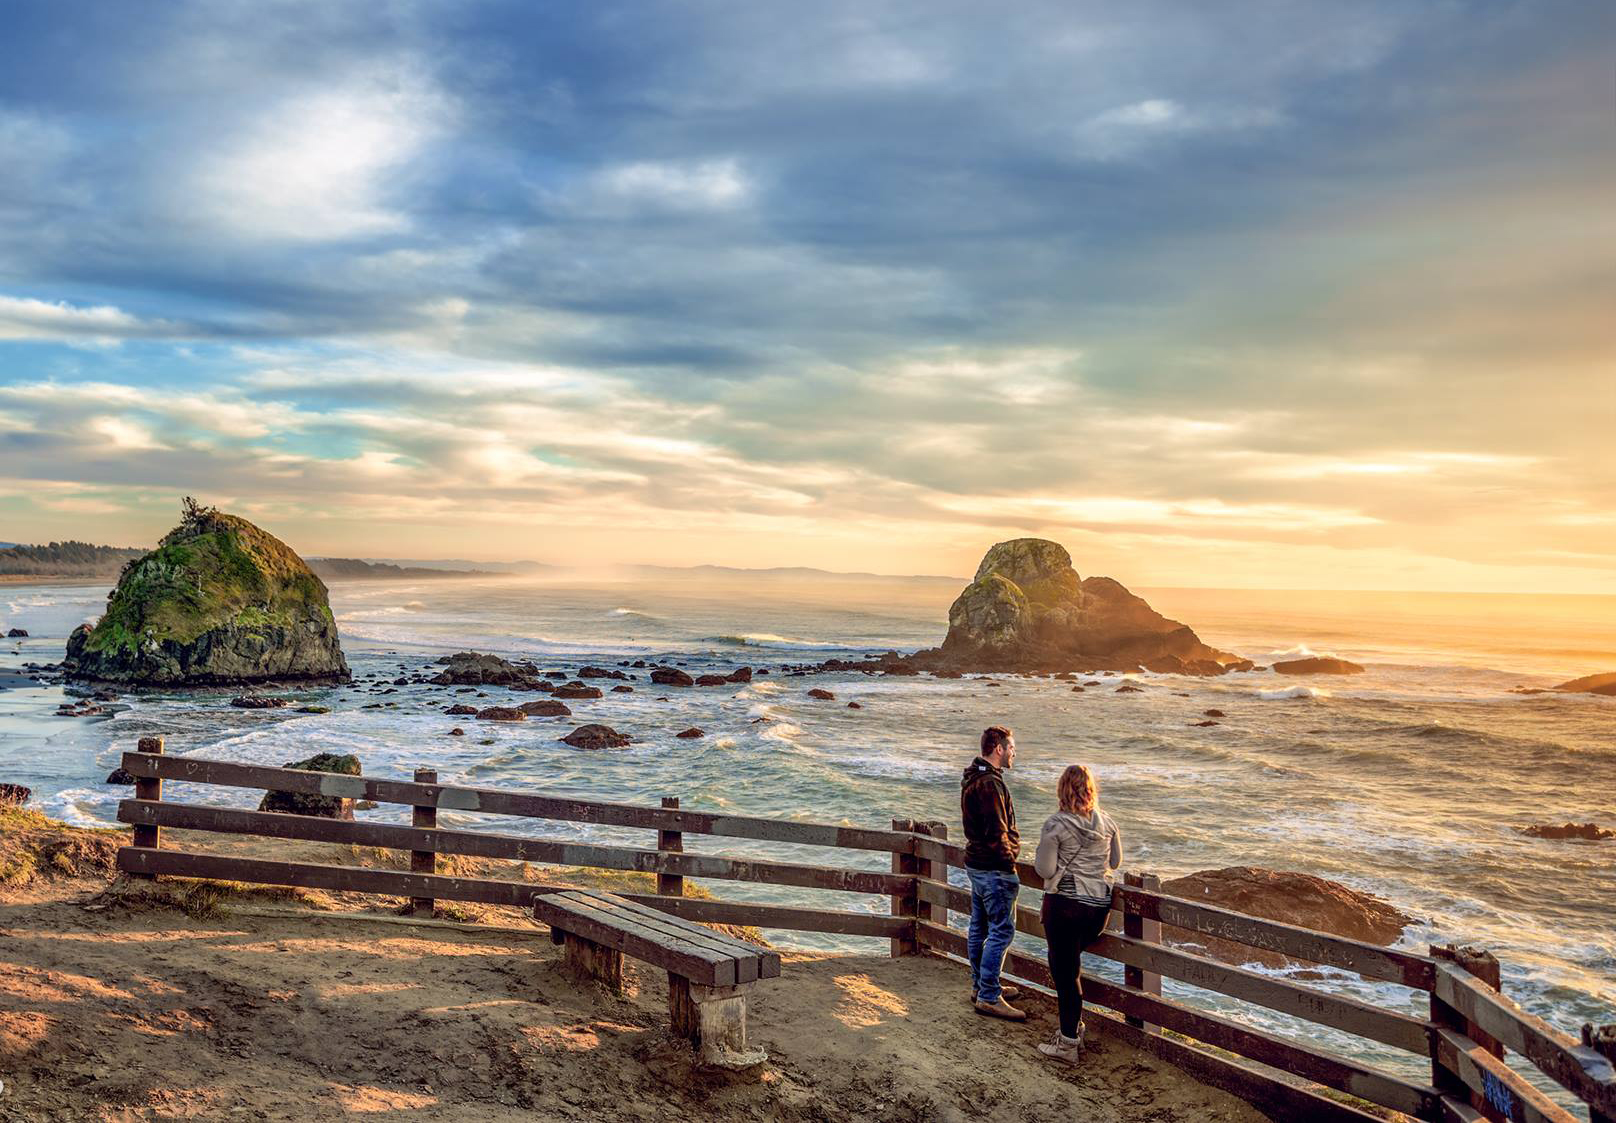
(863, 279)
(322, 164)
(27, 318)
(706, 185)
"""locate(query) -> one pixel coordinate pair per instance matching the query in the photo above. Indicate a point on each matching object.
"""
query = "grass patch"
(36, 848)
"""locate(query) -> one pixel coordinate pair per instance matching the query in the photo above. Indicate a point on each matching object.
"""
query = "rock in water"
(1591, 684)
(1593, 832)
(218, 602)
(1027, 609)
(1286, 896)
(325, 806)
(596, 737)
(1317, 665)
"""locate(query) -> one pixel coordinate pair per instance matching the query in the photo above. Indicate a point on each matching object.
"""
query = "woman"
(1079, 851)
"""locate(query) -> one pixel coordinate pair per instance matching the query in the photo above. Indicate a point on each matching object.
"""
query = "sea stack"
(1028, 610)
(219, 602)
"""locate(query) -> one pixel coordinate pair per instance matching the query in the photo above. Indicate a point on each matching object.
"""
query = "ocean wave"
(769, 639)
(1291, 692)
(1298, 651)
(633, 612)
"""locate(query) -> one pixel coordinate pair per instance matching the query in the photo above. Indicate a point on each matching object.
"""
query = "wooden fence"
(1465, 1038)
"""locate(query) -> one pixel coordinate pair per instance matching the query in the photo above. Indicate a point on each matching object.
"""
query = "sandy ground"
(118, 1005)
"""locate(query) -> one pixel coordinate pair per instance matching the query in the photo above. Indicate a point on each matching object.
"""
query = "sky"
(1254, 294)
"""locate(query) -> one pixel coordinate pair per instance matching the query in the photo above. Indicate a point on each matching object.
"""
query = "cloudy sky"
(1254, 293)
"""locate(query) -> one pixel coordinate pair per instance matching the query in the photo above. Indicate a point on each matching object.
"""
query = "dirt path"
(139, 1012)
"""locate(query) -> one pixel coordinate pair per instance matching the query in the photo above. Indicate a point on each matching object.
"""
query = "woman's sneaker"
(1063, 1048)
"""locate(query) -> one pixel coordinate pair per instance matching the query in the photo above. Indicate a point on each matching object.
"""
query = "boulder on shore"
(219, 601)
(1318, 665)
(325, 806)
(1590, 831)
(1591, 684)
(14, 795)
(1286, 896)
(1028, 610)
(501, 713)
(596, 737)
(578, 690)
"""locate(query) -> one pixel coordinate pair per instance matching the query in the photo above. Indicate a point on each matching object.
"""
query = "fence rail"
(1466, 1037)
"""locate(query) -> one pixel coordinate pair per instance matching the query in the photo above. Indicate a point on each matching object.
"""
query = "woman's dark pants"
(1070, 926)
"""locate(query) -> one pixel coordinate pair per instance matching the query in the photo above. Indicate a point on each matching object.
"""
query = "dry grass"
(34, 848)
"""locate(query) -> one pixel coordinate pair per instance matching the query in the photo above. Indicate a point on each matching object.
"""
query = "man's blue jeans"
(993, 924)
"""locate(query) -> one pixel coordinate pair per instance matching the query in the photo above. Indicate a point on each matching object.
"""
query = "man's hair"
(994, 737)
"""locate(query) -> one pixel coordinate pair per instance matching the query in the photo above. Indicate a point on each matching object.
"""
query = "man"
(991, 847)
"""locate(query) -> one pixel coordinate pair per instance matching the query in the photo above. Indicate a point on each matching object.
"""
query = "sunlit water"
(1408, 781)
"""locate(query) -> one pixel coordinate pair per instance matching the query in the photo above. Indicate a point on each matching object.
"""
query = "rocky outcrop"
(578, 690)
(326, 806)
(671, 676)
(1317, 665)
(473, 668)
(17, 633)
(219, 602)
(501, 713)
(14, 795)
(1593, 832)
(1286, 896)
(1028, 610)
(690, 734)
(596, 737)
(1591, 684)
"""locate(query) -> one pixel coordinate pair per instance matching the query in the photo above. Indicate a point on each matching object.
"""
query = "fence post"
(1485, 967)
(1135, 925)
(149, 788)
(934, 869)
(1602, 1040)
(670, 842)
(906, 903)
(424, 861)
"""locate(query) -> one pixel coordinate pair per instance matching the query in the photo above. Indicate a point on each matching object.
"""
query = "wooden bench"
(709, 973)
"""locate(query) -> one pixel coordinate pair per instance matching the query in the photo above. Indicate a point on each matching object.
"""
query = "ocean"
(1408, 781)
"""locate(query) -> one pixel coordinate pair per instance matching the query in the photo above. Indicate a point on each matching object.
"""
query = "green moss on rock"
(219, 601)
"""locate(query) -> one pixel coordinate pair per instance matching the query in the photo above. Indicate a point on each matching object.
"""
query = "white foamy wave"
(1292, 692)
(413, 606)
(631, 612)
(781, 731)
(1299, 651)
(757, 687)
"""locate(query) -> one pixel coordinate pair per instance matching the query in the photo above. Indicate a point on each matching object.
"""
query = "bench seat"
(709, 973)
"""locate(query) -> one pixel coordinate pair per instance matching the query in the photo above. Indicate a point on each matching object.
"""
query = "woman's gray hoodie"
(1087, 848)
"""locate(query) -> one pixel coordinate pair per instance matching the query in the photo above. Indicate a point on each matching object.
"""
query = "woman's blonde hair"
(1078, 790)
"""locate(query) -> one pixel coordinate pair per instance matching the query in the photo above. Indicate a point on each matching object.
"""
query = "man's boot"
(1001, 1009)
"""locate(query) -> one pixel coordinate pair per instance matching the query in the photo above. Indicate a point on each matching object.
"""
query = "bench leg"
(714, 1019)
(590, 960)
